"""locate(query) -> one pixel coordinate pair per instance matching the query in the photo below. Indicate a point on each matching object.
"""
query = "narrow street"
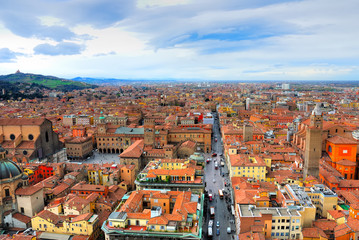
(215, 180)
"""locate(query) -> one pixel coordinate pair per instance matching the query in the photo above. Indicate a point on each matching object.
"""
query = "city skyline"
(181, 39)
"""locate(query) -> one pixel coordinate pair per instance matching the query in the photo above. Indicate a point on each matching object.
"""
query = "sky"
(181, 39)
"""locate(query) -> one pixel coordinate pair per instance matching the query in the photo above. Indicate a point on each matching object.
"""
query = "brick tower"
(149, 132)
(313, 144)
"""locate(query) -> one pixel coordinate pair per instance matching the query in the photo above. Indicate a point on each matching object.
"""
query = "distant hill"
(46, 81)
(106, 81)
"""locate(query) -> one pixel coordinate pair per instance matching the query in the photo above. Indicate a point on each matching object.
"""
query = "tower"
(149, 132)
(313, 144)
(247, 133)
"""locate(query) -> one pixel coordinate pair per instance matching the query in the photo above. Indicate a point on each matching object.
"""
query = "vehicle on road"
(212, 212)
(216, 165)
(208, 160)
(222, 164)
(220, 192)
(210, 232)
(215, 139)
(217, 224)
(214, 154)
(210, 196)
(229, 230)
(210, 223)
(217, 233)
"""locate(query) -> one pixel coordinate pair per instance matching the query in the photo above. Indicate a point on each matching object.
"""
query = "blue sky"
(181, 39)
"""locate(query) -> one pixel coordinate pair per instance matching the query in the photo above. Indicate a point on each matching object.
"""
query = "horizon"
(186, 40)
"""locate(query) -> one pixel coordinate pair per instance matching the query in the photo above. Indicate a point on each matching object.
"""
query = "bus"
(212, 212)
(220, 192)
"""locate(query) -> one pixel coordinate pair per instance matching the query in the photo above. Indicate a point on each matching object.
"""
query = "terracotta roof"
(346, 162)
(49, 216)
(82, 217)
(161, 220)
(313, 233)
(336, 213)
(21, 217)
(28, 191)
(325, 224)
(341, 140)
(134, 151)
(21, 121)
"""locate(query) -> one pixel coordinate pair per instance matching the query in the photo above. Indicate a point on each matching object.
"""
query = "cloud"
(6, 55)
(98, 13)
(63, 48)
(25, 25)
(105, 54)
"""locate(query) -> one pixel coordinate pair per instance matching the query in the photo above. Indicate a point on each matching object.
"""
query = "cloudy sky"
(181, 39)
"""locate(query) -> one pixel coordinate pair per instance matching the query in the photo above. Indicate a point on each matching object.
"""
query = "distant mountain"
(105, 81)
(46, 81)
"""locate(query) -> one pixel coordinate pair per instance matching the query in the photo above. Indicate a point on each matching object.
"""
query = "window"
(22, 210)
(7, 192)
(12, 137)
(46, 136)
(31, 137)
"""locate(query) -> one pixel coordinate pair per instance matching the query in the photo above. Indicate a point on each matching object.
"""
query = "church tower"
(313, 144)
(149, 132)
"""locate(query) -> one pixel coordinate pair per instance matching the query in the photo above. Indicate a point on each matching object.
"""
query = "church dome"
(9, 169)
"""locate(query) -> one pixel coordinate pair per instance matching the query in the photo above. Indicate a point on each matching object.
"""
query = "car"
(217, 224)
(214, 154)
(229, 230)
(210, 223)
(217, 233)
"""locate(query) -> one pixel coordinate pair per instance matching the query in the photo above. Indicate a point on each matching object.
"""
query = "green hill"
(46, 81)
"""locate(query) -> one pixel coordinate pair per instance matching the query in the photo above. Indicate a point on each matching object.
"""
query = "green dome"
(9, 169)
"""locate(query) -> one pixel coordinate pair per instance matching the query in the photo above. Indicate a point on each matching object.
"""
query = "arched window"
(330, 149)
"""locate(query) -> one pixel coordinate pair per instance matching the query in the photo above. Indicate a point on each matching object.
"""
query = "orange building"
(342, 153)
(354, 210)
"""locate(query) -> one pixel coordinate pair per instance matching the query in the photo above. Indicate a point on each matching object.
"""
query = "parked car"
(217, 232)
(217, 224)
(229, 230)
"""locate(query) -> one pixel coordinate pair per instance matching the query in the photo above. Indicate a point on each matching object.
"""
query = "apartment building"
(243, 165)
(173, 174)
(157, 214)
(273, 222)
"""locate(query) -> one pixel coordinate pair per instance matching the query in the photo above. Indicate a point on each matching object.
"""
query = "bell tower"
(313, 144)
(149, 132)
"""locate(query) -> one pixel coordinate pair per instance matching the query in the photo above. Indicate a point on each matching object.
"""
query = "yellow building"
(85, 224)
(323, 198)
(242, 165)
